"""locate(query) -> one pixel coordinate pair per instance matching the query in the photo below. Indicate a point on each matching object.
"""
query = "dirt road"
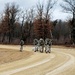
(61, 61)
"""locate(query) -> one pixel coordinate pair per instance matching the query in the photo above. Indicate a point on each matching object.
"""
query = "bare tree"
(14, 9)
(40, 9)
(5, 22)
(38, 25)
(43, 26)
(22, 23)
(27, 23)
(69, 7)
(49, 6)
(9, 19)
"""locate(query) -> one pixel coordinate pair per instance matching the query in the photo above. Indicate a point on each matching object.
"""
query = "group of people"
(41, 45)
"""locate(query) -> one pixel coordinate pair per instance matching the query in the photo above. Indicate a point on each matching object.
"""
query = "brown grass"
(9, 55)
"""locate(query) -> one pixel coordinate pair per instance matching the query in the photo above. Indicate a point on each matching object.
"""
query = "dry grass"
(9, 55)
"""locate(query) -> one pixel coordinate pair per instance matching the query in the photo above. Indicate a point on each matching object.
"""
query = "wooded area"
(16, 24)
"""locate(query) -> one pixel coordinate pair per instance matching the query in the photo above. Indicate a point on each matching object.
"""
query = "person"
(41, 45)
(21, 44)
(36, 45)
(48, 44)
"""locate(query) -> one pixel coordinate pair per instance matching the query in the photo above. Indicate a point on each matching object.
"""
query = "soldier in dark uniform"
(21, 44)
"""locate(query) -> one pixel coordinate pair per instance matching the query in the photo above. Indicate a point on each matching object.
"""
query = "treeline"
(16, 24)
(62, 32)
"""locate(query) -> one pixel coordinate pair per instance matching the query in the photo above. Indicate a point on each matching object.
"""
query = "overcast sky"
(26, 4)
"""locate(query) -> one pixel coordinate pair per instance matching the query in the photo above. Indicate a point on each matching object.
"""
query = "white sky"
(26, 4)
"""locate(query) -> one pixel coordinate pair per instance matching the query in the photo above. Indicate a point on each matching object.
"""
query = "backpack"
(22, 43)
(35, 41)
(41, 42)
